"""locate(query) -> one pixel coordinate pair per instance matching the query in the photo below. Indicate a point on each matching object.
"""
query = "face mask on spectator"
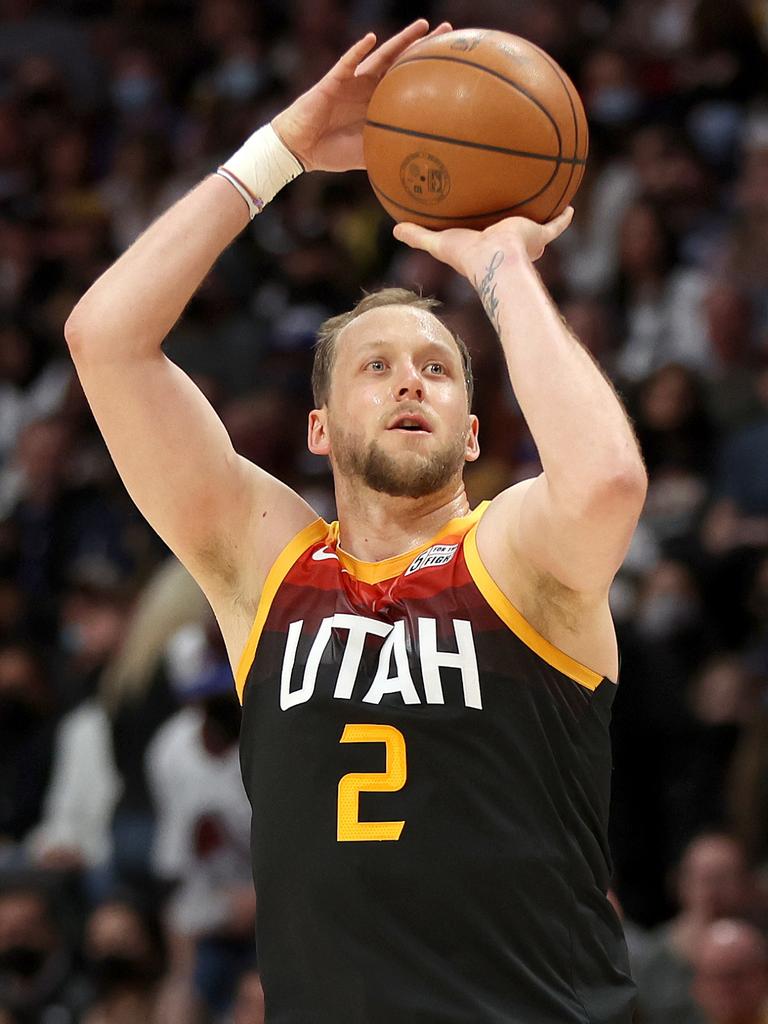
(615, 104)
(238, 79)
(22, 961)
(134, 92)
(16, 713)
(115, 970)
(71, 638)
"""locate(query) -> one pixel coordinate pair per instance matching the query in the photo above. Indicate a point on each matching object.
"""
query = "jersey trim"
(387, 568)
(512, 618)
(280, 569)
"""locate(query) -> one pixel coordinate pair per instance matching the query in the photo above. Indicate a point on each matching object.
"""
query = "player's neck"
(374, 526)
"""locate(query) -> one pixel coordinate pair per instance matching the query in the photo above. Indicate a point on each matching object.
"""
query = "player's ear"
(472, 449)
(317, 432)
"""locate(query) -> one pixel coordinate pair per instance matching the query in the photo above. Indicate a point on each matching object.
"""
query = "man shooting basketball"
(426, 688)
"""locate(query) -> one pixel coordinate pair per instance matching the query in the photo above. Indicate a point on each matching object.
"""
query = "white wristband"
(260, 168)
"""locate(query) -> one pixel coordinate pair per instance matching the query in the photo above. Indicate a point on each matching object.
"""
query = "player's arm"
(168, 444)
(574, 522)
(216, 510)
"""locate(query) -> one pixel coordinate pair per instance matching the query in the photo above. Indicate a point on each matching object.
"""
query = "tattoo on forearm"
(486, 289)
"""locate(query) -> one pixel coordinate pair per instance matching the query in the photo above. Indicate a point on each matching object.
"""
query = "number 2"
(349, 827)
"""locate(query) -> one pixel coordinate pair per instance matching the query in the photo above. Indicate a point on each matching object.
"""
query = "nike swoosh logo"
(323, 553)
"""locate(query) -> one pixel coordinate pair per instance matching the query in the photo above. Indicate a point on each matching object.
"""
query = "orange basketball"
(473, 126)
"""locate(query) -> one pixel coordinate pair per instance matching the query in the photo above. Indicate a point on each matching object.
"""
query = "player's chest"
(392, 644)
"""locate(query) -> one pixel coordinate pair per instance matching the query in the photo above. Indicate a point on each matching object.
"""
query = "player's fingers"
(377, 63)
(556, 227)
(350, 61)
(416, 236)
(442, 28)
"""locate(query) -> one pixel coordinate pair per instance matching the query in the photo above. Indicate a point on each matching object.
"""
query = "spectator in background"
(734, 532)
(731, 398)
(673, 426)
(661, 303)
(726, 59)
(93, 617)
(36, 512)
(731, 974)
(739, 517)
(675, 435)
(203, 834)
(31, 385)
(136, 190)
(663, 640)
(27, 729)
(74, 833)
(591, 323)
(713, 881)
(125, 962)
(747, 232)
(56, 520)
(37, 976)
(723, 698)
(249, 1002)
(748, 785)
(138, 698)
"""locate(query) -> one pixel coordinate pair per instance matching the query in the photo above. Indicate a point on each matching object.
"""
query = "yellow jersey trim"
(387, 568)
(512, 618)
(282, 565)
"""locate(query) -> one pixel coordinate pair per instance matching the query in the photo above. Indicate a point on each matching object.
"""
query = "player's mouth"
(410, 423)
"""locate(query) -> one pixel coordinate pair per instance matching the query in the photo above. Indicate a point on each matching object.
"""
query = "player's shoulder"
(579, 624)
(499, 521)
(501, 548)
(497, 547)
(277, 513)
(276, 523)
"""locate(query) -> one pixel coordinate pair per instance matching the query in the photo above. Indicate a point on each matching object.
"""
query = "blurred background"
(125, 891)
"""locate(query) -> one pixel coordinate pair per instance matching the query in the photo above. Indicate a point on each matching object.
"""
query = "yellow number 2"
(349, 827)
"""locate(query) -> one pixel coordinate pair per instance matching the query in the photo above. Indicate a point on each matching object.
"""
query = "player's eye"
(436, 368)
(376, 364)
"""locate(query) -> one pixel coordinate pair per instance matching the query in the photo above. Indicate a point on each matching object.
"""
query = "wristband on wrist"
(260, 168)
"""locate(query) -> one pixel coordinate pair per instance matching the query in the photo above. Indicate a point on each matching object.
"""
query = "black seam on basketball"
(495, 74)
(466, 216)
(472, 145)
(555, 67)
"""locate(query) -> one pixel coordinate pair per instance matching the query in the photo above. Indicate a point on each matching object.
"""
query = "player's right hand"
(469, 251)
(324, 127)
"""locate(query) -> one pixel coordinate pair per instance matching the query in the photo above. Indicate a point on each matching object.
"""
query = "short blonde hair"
(328, 332)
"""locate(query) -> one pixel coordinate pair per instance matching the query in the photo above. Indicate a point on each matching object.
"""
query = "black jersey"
(429, 780)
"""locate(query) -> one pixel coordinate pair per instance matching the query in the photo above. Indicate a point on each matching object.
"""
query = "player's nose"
(409, 382)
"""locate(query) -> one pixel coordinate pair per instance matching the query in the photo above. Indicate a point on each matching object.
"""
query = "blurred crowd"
(125, 891)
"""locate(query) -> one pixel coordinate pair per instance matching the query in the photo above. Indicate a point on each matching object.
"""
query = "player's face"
(397, 418)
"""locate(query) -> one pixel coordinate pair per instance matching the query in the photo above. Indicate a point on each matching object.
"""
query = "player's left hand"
(324, 127)
(468, 251)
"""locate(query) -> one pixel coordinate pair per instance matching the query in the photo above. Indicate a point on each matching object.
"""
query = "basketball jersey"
(429, 780)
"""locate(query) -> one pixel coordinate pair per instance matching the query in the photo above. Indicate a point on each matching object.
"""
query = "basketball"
(473, 126)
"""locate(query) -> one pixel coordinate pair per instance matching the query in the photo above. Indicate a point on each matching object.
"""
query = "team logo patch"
(438, 554)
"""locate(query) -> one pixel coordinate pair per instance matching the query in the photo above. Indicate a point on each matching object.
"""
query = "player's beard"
(408, 474)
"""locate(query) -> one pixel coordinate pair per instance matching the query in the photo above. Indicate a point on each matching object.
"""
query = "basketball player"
(426, 687)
